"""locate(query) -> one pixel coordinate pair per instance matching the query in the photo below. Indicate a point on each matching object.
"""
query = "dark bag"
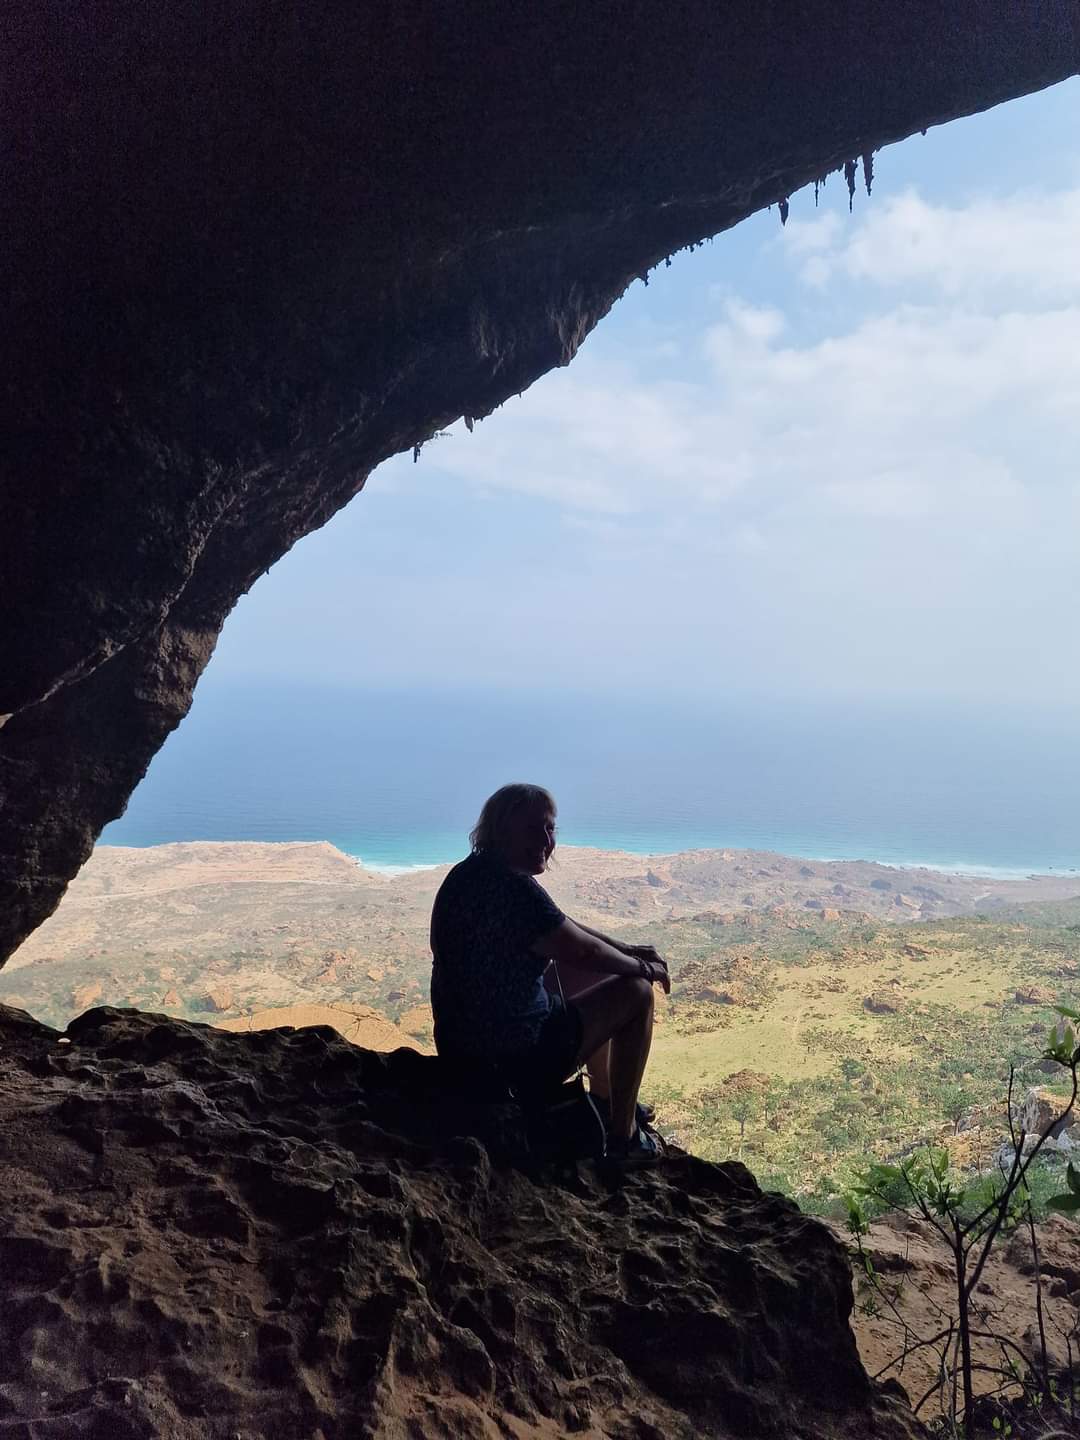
(563, 1124)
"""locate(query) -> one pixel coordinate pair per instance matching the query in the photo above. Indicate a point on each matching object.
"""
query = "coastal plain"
(789, 975)
(202, 929)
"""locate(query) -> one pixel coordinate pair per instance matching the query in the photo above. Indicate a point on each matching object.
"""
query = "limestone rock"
(83, 996)
(1035, 995)
(281, 1225)
(883, 1002)
(1040, 1109)
(418, 1020)
(743, 1080)
(219, 999)
(1059, 1251)
(171, 997)
(412, 222)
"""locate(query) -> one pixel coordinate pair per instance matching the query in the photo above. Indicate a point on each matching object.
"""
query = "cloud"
(878, 494)
(804, 483)
(995, 251)
(914, 413)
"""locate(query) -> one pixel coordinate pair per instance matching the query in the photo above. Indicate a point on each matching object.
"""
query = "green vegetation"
(969, 1219)
(872, 1040)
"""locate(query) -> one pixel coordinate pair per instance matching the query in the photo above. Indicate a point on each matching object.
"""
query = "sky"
(832, 459)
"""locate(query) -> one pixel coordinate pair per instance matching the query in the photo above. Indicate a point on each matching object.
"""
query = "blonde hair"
(487, 832)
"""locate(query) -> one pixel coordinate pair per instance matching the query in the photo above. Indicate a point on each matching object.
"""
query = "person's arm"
(639, 952)
(575, 944)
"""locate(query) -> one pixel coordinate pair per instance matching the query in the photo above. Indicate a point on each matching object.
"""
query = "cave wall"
(253, 251)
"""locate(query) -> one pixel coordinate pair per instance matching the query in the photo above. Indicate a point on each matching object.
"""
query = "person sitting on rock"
(494, 932)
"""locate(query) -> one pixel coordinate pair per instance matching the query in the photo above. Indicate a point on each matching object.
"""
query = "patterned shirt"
(487, 993)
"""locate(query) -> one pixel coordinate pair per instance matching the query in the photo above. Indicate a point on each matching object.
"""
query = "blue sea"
(396, 779)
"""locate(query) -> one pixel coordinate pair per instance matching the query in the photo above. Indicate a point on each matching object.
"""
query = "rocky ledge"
(278, 1234)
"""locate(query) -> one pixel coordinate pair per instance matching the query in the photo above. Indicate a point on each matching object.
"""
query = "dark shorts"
(534, 1070)
(555, 1054)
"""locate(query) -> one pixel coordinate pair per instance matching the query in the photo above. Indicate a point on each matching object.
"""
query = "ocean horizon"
(396, 779)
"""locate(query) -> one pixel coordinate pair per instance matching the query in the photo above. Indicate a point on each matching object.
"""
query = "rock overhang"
(254, 254)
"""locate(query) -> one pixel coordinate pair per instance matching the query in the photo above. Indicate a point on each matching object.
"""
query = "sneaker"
(637, 1153)
(644, 1116)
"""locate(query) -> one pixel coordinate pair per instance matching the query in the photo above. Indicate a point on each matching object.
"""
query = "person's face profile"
(530, 838)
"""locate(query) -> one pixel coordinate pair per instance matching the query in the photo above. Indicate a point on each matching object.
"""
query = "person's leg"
(574, 982)
(599, 1067)
(620, 1010)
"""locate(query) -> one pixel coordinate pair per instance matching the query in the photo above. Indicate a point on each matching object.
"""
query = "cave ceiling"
(251, 251)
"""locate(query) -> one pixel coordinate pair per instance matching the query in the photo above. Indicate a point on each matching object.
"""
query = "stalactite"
(784, 211)
(470, 421)
(868, 169)
(849, 176)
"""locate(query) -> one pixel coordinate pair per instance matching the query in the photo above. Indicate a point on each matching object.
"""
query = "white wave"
(379, 869)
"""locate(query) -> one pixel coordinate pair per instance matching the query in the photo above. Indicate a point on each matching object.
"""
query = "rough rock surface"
(915, 1267)
(250, 252)
(209, 1234)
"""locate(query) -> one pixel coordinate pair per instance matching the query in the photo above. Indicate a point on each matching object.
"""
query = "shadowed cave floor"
(202, 1237)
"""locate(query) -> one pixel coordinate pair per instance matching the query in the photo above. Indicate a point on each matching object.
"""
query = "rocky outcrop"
(1042, 1110)
(1034, 995)
(249, 253)
(883, 1002)
(277, 1234)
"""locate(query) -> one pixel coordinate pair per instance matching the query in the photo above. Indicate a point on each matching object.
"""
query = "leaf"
(1065, 1204)
(1069, 1014)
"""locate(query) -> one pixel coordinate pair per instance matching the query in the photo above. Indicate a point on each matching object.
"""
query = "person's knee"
(640, 992)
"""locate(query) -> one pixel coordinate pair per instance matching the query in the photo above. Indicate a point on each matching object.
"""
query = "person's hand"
(660, 975)
(645, 952)
(653, 967)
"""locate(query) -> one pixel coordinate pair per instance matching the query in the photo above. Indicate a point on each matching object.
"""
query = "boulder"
(916, 952)
(219, 999)
(279, 1224)
(883, 1002)
(1040, 1109)
(1034, 995)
